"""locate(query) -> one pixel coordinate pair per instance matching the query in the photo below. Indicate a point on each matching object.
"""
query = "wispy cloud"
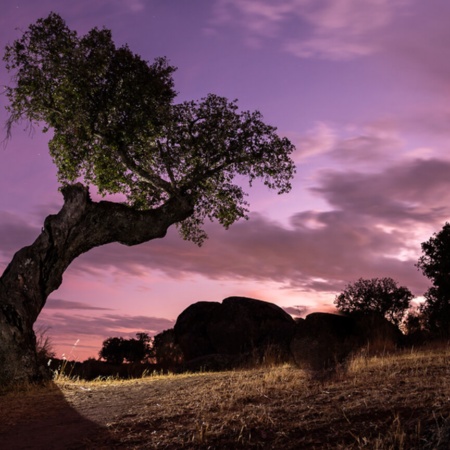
(319, 140)
(15, 232)
(101, 326)
(328, 29)
(53, 303)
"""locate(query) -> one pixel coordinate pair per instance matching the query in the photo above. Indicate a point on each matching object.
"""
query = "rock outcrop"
(323, 341)
(237, 326)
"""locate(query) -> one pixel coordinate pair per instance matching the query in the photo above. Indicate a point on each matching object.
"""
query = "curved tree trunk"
(37, 270)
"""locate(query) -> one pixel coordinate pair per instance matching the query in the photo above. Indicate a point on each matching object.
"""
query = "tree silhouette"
(116, 349)
(376, 295)
(112, 350)
(435, 265)
(165, 350)
(115, 126)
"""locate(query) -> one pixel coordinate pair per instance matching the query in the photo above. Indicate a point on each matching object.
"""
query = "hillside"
(389, 402)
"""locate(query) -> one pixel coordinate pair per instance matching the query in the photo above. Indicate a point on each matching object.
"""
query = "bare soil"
(390, 402)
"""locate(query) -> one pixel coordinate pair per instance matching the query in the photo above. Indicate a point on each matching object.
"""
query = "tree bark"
(37, 270)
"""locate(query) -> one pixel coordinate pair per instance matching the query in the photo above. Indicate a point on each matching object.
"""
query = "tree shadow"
(43, 418)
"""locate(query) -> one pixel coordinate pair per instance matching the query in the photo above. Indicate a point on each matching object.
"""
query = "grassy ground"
(391, 402)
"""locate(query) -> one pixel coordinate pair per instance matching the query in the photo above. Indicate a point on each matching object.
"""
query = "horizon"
(359, 86)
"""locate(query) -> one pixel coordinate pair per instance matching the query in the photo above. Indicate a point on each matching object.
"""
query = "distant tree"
(435, 265)
(116, 349)
(165, 350)
(379, 295)
(137, 350)
(112, 350)
(114, 125)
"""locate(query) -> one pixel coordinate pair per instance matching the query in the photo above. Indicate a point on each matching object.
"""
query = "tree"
(379, 295)
(112, 350)
(137, 350)
(116, 349)
(435, 265)
(165, 350)
(116, 127)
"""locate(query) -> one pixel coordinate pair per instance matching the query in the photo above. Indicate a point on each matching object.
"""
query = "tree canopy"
(115, 125)
(435, 265)
(379, 295)
(115, 349)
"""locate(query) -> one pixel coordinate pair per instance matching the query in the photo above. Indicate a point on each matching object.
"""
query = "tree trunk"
(37, 270)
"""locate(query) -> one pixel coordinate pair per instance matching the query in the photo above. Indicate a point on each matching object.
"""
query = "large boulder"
(190, 329)
(237, 326)
(324, 341)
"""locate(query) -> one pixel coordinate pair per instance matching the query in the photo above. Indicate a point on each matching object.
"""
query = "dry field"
(389, 402)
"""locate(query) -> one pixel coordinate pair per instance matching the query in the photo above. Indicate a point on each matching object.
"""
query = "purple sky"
(360, 86)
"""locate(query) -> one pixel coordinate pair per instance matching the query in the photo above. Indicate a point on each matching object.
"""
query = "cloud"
(102, 326)
(14, 232)
(134, 6)
(321, 252)
(413, 191)
(297, 310)
(319, 140)
(372, 143)
(373, 228)
(53, 303)
(361, 146)
(327, 29)
(416, 47)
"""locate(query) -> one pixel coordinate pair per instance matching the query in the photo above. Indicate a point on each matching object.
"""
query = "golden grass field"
(399, 401)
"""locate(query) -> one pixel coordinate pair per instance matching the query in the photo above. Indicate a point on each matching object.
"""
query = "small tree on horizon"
(165, 350)
(376, 295)
(117, 349)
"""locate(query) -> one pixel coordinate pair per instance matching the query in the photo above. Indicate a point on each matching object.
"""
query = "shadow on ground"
(43, 419)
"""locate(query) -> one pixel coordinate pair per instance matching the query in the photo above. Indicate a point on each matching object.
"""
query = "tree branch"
(80, 226)
(145, 175)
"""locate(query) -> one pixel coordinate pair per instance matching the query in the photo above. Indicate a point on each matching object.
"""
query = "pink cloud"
(328, 29)
(53, 303)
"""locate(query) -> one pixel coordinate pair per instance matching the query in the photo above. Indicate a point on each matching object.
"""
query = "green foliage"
(116, 349)
(435, 265)
(115, 126)
(379, 295)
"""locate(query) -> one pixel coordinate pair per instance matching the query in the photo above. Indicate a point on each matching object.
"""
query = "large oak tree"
(115, 125)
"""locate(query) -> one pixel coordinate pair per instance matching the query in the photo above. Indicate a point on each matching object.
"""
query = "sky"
(360, 87)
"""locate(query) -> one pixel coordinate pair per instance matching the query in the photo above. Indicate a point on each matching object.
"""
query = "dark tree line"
(116, 350)
(162, 349)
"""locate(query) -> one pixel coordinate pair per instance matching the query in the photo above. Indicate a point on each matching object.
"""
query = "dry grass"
(390, 402)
